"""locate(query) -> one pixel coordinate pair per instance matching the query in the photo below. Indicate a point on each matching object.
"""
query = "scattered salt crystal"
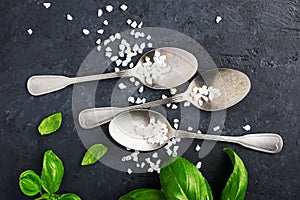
(131, 99)
(30, 31)
(47, 4)
(142, 165)
(216, 128)
(199, 132)
(109, 8)
(176, 126)
(98, 41)
(189, 128)
(131, 65)
(128, 149)
(122, 86)
(197, 148)
(108, 49)
(142, 34)
(106, 42)
(155, 155)
(149, 45)
(173, 91)
(186, 104)
(168, 105)
(163, 96)
(137, 165)
(143, 45)
(218, 19)
(132, 79)
(98, 48)
(175, 148)
(117, 69)
(100, 31)
(176, 120)
(108, 54)
(140, 25)
(123, 7)
(105, 22)
(114, 58)
(129, 171)
(199, 164)
(85, 31)
(112, 38)
(100, 12)
(136, 83)
(138, 100)
(118, 36)
(129, 21)
(148, 37)
(118, 62)
(174, 106)
(247, 127)
(132, 32)
(150, 170)
(133, 24)
(69, 17)
(178, 139)
(169, 152)
(141, 90)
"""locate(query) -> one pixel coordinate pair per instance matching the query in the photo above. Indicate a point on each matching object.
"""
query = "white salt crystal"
(163, 96)
(150, 170)
(131, 65)
(109, 8)
(30, 31)
(142, 165)
(218, 19)
(108, 54)
(114, 58)
(85, 31)
(100, 31)
(138, 100)
(148, 37)
(123, 7)
(108, 49)
(176, 126)
(140, 25)
(141, 90)
(132, 32)
(98, 48)
(118, 36)
(47, 4)
(100, 12)
(149, 45)
(133, 24)
(98, 41)
(106, 42)
(122, 86)
(174, 106)
(136, 83)
(117, 69)
(69, 17)
(189, 128)
(129, 21)
(112, 38)
(129, 171)
(118, 62)
(155, 155)
(199, 132)
(105, 22)
(197, 148)
(173, 91)
(216, 128)
(132, 79)
(199, 164)
(247, 127)
(176, 120)
(131, 99)
(186, 104)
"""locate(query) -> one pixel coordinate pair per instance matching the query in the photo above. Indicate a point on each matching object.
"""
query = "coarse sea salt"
(173, 91)
(247, 127)
(47, 5)
(216, 128)
(123, 7)
(85, 31)
(175, 125)
(203, 94)
(109, 8)
(133, 24)
(199, 164)
(129, 21)
(197, 148)
(141, 90)
(100, 31)
(121, 86)
(129, 171)
(105, 22)
(131, 99)
(30, 31)
(69, 17)
(218, 19)
(98, 41)
(186, 104)
(100, 12)
(174, 107)
(189, 128)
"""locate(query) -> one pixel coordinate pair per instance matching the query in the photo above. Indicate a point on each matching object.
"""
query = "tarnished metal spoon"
(183, 65)
(123, 129)
(232, 84)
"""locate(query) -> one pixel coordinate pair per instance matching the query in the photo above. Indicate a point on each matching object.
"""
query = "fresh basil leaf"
(93, 154)
(144, 194)
(30, 183)
(69, 196)
(50, 124)
(182, 180)
(236, 186)
(52, 172)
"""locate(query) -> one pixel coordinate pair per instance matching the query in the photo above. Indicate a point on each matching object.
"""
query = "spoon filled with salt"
(155, 69)
(213, 90)
(147, 130)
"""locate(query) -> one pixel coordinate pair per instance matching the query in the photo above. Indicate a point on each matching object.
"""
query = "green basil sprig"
(180, 179)
(236, 186)
(52, 173)
(50, 124)
(93, 154)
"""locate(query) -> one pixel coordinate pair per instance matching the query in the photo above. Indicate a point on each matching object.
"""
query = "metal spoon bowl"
(123, 130)
(178, 59)
(233, 85)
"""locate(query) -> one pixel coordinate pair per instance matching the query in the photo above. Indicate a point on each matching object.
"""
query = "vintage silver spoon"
(232, 84)
(177, 59)
(125, 129)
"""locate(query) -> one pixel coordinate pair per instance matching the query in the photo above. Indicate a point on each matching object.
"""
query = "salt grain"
(218, 19)
(136, 83)
(85, 31)
(98, 48)
(174, 106)
(199, 132)
(100, 12)
(108, 54)
(131, 65)
(148, 37)
(189, 128)
(114, 58)
(176, 120)
(173, 91)
(142, 165)
(140, 25)
(118, 62)
(123, 7)
(163, 96)
(122, 86)
(100, 31)
(197, 148)
(109, 8)
(131, 99)
(129, 21)
(117, 69)
(98, 41)
(216, 128)
(69, 17)
(118, 36)
(199, 164)
(149, 45)
(129, 171)
(155, 155)
(133, 24)
(141, 90)
(186, 104)
(105, 22)
(47, 5)
(30, 31)
(106, 42)
(247, 127)
(176, 126)
(108, 49)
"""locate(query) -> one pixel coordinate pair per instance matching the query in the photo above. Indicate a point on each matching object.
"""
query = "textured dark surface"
(259, 38)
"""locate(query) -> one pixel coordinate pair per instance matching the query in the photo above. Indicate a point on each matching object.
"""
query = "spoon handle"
(44, 84)
(265, 142)
(93, 117)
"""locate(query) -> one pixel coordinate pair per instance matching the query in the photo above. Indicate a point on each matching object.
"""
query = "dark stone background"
(259, 38)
